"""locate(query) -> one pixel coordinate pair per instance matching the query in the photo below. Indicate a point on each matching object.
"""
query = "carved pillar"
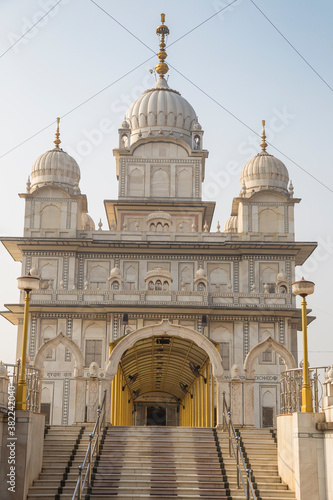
(248, 388)
(220, 387)
(80, 400)
(236, 401)
(106, 384)
(93, 399)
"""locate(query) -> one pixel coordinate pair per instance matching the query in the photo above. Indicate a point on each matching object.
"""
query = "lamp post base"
(21, 397)
(306, 400)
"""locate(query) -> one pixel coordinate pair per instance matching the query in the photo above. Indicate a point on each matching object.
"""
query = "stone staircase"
(159, 463)
(260, 452)
(64, 450)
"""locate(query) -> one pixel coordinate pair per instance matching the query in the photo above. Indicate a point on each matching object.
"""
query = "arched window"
(124, 141)
(136, 183)
(51, 217)
(184, 184)
(98, 278)
(201, 287)
(268, 276)
(115, 285)
(158, 285)
(160, 184)
(283, 289)
(165, 285)
(196, 142)
(150, 285)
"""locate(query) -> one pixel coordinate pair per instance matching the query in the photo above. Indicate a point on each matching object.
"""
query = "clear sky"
(237, 58)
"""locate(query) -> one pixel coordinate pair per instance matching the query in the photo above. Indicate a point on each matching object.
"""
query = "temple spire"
(264, 143)
(57, 140)
(162, 67)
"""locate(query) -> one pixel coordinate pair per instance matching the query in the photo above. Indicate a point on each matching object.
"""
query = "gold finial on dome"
(162, 67)
(57, 141)
(264, 143)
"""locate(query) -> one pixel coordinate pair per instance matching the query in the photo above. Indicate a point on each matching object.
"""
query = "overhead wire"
(218, 103)
(31, 28)
(112, 83)
(291, 45)
(77, 107)
(186, 78)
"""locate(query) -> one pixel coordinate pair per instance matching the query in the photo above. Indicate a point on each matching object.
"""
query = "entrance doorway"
(156, 415)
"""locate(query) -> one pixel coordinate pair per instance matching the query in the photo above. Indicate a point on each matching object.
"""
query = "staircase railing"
(236, 451)
(291, 388)
(85, 470)
(33, 380)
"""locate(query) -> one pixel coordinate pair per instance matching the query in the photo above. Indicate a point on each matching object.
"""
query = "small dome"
(201, 273)
(55, 167)
(87, 222)
(231, 224)
(281, 276)
(115, 272)
(125, 124)
(158, 215)
(159, 110)
(34, 271)
(265, 171)
(158, 272)
(197, 126)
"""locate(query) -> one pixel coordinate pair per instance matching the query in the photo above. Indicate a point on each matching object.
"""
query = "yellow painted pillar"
(211, 397)
(198, 403)
(118, 410)
(188, 409)
(192, 408)
(202, 401)
(120, 397)
(112, 401)
(129, 409)
(112, 392)
(115, 385)
(217, 400)
(207, 394)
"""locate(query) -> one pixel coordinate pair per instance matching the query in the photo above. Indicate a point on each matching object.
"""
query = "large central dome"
(161, 111)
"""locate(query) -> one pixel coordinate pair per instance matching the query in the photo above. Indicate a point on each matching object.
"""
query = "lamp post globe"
(27, 283)
(305, 288)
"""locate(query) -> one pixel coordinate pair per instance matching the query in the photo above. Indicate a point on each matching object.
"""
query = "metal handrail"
(92, 451)
(291, 388)
(238, 454)
(33, 380)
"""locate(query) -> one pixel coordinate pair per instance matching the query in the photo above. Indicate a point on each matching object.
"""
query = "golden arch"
(165, 328)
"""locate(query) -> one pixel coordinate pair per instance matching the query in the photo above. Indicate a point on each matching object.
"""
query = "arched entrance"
(80, 384)
(267, 399)
(164, 374)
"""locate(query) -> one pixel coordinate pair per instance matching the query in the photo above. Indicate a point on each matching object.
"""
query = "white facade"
(159, 259)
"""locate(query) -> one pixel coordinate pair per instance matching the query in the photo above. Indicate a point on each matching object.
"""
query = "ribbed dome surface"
(161, 110)
(55, 167)
(231, 224)
(265, 171)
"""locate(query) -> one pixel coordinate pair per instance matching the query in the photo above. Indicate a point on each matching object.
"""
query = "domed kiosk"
(56, 168)
(266, 203)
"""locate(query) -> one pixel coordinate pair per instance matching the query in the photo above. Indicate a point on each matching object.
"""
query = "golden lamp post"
(304, 288)
(27, 283)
